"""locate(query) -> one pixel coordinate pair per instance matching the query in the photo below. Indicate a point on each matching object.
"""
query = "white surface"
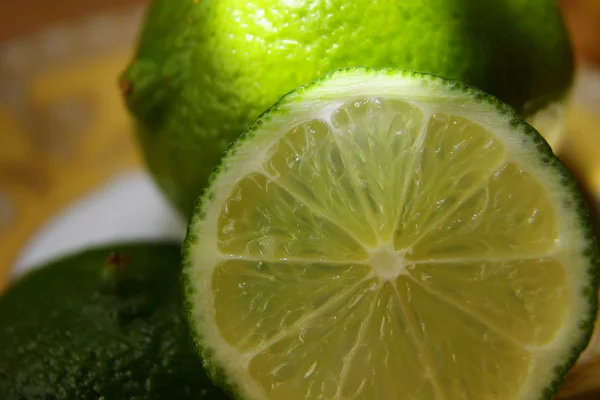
(127, 208)
(587, 88)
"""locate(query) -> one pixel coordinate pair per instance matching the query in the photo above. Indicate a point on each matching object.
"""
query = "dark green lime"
(103, 324)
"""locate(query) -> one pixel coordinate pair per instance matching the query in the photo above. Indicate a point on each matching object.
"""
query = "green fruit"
(103, 324)
(384, 234)
(204, 70)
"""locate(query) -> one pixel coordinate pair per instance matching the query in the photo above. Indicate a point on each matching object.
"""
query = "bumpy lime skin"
(88, 327)
(204, 70)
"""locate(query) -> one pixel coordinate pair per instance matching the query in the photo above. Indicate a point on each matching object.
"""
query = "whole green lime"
(103, 324)
(204, 70)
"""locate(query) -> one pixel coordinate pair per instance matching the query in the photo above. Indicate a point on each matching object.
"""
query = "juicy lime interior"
(384, 249)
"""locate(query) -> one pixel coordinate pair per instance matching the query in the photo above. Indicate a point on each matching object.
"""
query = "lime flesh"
(383, 234)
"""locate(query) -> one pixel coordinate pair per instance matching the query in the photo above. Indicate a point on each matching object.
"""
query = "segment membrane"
(307, 363)
(378, 140)
(456, 157)
(526, 300)
(386, 363)
(510, 217)
(255, 301)
(308, 162)
(262, 220)
(467, 359)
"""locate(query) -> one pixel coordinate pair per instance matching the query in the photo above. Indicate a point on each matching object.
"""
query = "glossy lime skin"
(104, 324)
(204, 70)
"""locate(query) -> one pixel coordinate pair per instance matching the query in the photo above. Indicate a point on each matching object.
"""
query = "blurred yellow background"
(65, 135)
(63, 129)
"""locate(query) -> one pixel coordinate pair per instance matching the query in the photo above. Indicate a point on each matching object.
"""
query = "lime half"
(383, 234)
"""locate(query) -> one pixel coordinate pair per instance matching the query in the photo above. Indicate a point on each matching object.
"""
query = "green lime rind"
(105, 323)
(571, 197)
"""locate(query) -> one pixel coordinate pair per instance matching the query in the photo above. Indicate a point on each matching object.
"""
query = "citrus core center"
(387, 262)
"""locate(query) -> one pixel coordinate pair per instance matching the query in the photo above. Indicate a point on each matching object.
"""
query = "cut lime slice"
(383, 234)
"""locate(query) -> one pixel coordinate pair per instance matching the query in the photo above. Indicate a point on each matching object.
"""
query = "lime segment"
(284, 293)
(286, 228)
(504, 295)
(505, 218)
(468, 359)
